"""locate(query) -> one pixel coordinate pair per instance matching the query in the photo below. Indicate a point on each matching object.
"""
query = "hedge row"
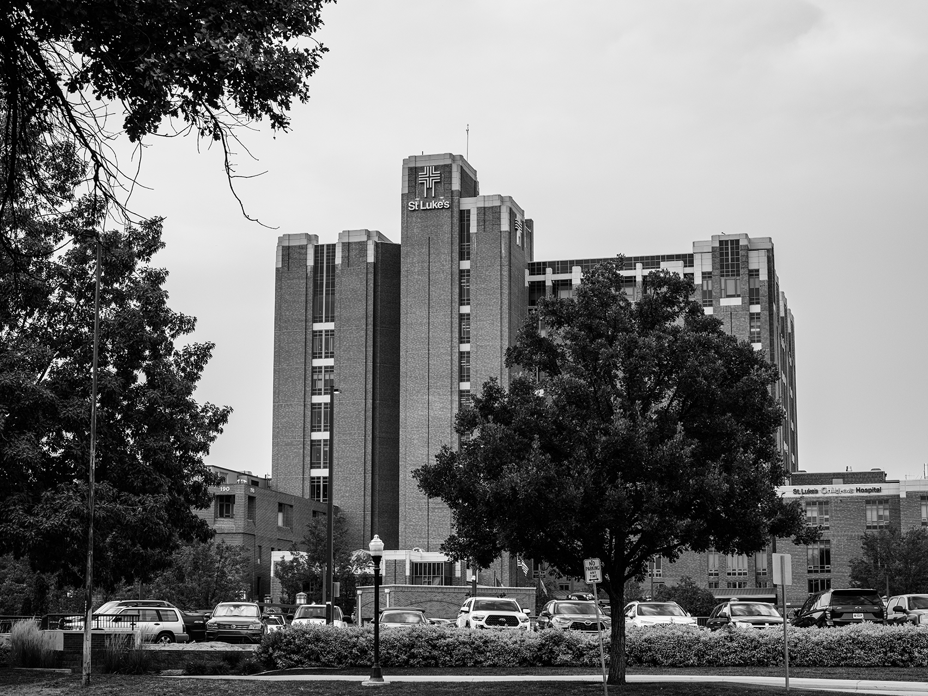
(865, 645)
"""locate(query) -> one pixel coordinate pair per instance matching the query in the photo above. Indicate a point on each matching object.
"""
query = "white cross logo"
(428, 177)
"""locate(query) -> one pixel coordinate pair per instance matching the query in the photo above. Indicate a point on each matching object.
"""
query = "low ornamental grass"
(863, 645)
(123, 654)
(31, 647)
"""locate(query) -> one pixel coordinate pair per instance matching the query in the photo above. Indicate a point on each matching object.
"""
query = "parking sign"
(593, 570)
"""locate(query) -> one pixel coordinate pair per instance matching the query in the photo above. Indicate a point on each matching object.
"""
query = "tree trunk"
(617, 662)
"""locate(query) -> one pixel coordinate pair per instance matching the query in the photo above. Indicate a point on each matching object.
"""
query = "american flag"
(522, 564)
(428, 178)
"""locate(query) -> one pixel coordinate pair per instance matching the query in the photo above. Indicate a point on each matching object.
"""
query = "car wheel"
(164, 638)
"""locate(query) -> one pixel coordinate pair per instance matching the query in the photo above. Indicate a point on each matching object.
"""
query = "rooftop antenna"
(467, 151)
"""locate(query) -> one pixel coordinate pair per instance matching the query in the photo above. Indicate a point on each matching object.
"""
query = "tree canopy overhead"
(648, 431)
(89, 71)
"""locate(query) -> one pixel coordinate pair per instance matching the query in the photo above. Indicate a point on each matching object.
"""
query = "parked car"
(573, 616)
(908, 608)
(195, 624)
(749, 615)
(492, 612)
(840, 607)
(157, 624)
(314, 614)
(158, 620)
(235, 622)
(274, 622)
(442, 623)
(656, 613)
(403, 617)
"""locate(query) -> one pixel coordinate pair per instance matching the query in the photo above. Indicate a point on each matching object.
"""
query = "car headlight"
(478, 617)
(255, 626)
(212, 625)
(560, 621)
(523, 619)
(741, 624)
(922, 619)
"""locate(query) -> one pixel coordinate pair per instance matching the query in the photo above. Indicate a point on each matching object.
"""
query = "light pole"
(376, 549)
(330, 511)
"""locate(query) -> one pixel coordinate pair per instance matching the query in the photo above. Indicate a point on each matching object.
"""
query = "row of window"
(224, 509)
(324, 283)
(818, 512)
(426, 575)
(737, 564)
(537, 268)
(323, 379)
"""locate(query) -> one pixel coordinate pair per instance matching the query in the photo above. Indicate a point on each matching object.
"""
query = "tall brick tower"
(463, 298)
(336, 321)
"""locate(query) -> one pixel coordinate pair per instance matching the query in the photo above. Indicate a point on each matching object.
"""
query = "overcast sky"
(632, 127)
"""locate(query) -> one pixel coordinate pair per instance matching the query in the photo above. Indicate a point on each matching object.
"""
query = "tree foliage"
(648, 431)
(305, 572)
(152, 434)
(202, 574)
(26, 592)
(84, 73)
(697, 600)
(889, 553)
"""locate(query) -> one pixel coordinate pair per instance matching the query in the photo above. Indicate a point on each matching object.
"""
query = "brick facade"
(845, 497)
(257, 521)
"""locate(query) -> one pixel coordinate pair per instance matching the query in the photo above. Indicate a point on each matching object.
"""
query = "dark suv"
(840, 608)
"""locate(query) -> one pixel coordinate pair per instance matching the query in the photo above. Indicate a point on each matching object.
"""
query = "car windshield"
(274, 620)
(660, 610)
(496, 605)
(107, 608)
(920, 602)
(575, 608)
(309, 612)
(758, 609)
(405, 617)
(852, 597)
(236, 610)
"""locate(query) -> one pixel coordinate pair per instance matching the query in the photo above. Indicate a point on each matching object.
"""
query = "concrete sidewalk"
(856, 686)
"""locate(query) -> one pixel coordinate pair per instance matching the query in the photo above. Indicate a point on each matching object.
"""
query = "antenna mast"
(467, 151)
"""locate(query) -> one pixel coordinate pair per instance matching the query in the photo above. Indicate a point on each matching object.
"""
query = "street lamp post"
(330, 511)
(376, 549)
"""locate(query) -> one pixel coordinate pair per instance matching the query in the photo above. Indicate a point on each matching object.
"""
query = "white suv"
(492, 612)
(656, 613)
(314, 614)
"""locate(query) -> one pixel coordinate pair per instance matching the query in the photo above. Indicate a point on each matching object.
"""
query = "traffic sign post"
(593, 571)
(783, 576)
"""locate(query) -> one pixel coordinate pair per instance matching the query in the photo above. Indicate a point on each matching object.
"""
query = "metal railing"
(101, 622)
(7, 621)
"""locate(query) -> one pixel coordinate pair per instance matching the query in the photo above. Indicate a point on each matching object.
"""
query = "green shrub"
(122, 655)
(31, 647)
(659, 646)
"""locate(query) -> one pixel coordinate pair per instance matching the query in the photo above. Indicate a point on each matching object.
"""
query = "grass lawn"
(27, 683)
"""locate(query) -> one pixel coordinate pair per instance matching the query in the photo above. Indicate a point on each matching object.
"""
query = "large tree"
(152, 434)
(902, 558)
(201, 575)
(88, 72)
(634, 430)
